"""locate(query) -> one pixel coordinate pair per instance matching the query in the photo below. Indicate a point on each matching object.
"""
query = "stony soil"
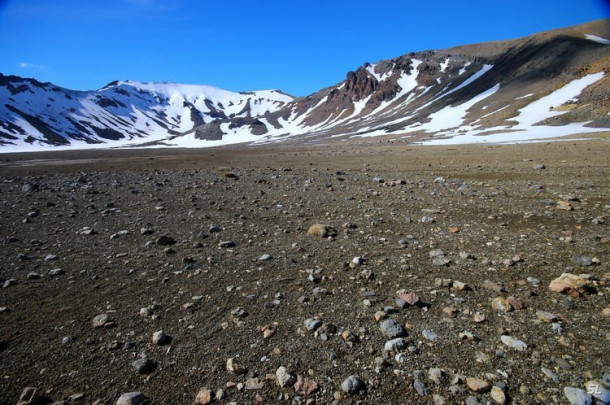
(244, 280)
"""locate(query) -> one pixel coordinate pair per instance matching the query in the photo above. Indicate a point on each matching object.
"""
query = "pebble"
(435, 374)
(582, 260)
(143, 365)
(498, 395)
(56, 272)
(550, 374)
(225, 244)
(420, 387)
(204, 397)
(546, 316)
(160, 338)
(305, 386)
(312, 324)
(477, 385)
(501, 304)
(513, 343)
(165, 240)
(234, 367)
(130, 398)
(568, 283)
(430, 335)
(285, 378)
(9, 282)
(576, 396)
(101, 321)
(352, 385)
(395, 345)
(392, 329)
(265, 257)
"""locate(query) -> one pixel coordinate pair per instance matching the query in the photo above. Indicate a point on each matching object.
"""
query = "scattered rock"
(477, 385)
(513, 343)
(131, 398)
(392, 329)
(285, 378)
(322, 231)
(352, 385)
(204, 397)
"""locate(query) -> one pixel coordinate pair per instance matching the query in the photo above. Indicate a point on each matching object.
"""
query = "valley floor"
(472, 235)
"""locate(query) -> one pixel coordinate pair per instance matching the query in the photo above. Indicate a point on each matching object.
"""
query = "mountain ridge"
(471, 92)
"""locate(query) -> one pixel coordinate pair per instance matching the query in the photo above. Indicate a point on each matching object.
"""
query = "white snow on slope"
(597, 39)
(453, 117)
(537, 111)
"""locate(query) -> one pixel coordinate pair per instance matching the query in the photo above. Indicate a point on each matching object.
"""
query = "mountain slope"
(122, 112)
(549, 84)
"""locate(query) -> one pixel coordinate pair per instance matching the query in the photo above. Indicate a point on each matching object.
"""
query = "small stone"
(410, 298)
(513, 343)
(395, 345)
(568, 283)
(498, 395)
(226, 244)
(284, 378)
(50, 258)
(501, 304)
(33, 276)
(349, 336)
(576, 396)
(56, 272)
(477, 385)
(234, 367)
(430, 335)
(265, 257)
(564, 205)
(352, 385)
(204, 397)
(550, 374)
(479, 317)
(160, 338)
(101, 321)
(312, 324)
(144, 365)
(305, 386)
(322, 231)
(392, 329)
(435, 374)
(582, 260)
(165, 240)
(130, 398)
(420, 387)
(546, 316)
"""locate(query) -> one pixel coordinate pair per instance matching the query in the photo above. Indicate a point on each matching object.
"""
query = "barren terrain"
(458, 245)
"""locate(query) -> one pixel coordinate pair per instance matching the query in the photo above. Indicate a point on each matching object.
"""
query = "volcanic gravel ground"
(448, 230)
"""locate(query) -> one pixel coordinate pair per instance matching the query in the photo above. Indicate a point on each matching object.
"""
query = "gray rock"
(9, 282)
(130, 398)
(430, 335)
(582, 260)
(550, 374)
(392, 329)
(576, 396)
(395, 345)
(420, 387)
(143, 365)
(513, 343)
(160, 338)
(100, 321)
(352, 384)
(265, 257)
(285, 378)
(56, 272)
(312, 324)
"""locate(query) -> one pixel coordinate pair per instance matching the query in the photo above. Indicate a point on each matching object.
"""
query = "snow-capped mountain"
(547, 85)
(122, 113)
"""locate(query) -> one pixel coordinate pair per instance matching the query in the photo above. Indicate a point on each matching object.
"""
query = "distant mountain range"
(546, 85)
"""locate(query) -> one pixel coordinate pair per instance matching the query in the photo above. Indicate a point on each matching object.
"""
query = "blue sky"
(297, 46)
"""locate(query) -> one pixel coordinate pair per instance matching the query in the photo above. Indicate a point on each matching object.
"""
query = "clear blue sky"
(298, 46)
